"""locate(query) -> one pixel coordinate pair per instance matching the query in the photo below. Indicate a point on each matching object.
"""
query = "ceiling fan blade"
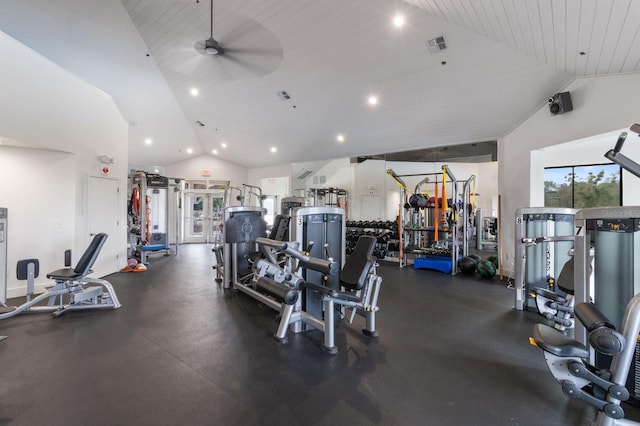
(243, 68)
(200, 47)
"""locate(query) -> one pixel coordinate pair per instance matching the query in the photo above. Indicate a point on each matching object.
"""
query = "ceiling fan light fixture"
(211, 47)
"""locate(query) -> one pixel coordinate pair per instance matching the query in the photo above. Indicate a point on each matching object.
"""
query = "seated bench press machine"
(81, 292)
(567, 360)
(282, 283)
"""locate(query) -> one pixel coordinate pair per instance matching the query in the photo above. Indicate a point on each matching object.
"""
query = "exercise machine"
(242, 225)
(428, 226)
(544, 237)
(73, 289)
(359, 287)
(569, 360)
(612, 234)
(322, 230)
(149, 215)
(600, 365)
(619, 158)
(557, 306)
(486, 231)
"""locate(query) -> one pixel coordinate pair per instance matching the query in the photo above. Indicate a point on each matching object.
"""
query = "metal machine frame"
(524, 242)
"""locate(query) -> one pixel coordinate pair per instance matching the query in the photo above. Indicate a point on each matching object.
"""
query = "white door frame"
(209, 219)
(102, 216)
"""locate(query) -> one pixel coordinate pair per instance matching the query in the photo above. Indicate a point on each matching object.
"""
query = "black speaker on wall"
(560, 103)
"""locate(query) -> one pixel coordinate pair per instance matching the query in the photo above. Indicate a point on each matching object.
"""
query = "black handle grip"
(620, 142)
(271, 243)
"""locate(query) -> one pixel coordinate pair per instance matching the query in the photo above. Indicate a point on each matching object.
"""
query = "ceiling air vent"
(305, 174)
(436, 44)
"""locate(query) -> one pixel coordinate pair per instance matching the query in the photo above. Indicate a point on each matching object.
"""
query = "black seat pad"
(64, 274)
(83, 268)
(354, 273)
(556, 343)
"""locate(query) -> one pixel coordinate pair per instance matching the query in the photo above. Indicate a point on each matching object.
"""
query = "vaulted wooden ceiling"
(503, 59)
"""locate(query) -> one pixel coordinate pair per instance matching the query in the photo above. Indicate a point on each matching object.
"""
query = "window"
(598, 185)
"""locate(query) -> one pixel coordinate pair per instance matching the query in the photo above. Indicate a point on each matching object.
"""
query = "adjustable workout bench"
(70, 284)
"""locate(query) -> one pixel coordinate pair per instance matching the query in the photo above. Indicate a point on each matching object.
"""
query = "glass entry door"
(203, 216)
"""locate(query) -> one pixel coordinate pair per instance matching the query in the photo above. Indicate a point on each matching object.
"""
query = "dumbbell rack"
(385, 232)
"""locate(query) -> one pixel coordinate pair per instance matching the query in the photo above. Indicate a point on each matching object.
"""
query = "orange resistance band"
(436, 222)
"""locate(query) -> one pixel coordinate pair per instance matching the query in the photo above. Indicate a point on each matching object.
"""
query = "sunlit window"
(598, 185)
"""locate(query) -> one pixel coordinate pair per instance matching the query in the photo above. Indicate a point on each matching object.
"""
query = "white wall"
(72, 123)
(255, 176)
(220, 170)
(600, 105)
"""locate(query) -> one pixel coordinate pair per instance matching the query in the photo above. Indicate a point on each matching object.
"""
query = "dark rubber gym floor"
(183, 351)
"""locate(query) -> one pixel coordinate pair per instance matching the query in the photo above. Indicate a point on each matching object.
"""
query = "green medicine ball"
(486, 269)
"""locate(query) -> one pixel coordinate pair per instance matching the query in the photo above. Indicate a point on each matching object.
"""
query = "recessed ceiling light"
(189, 151)
(156, 171)
(340, 138)
(223, 144)
(274, 149)
(148, 141)
(398, 20)
(373, 100)
(214, 152)
(194, 91)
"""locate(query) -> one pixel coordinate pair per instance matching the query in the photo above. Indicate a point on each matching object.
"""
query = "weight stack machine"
(544, 237)
(323, 226)
(613, 233)
(242, 225)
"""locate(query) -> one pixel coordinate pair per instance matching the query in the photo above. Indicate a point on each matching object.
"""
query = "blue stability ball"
(486, 269)
(467, 265)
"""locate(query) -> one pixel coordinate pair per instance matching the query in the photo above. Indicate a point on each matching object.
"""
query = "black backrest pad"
(565, 279)
(280, 228)
(354, 273)
(21, 270)
(90, 255)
